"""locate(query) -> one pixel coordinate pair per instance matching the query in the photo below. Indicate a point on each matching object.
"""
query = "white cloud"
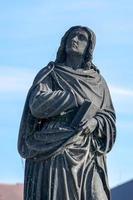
(120, 91)
(14, 79)
(122, 99)
(17, 79)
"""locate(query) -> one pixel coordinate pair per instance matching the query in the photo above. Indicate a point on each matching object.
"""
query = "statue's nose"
(75, 38)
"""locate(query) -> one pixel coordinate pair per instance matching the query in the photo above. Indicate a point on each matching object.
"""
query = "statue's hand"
(88, 126)
(80, 99)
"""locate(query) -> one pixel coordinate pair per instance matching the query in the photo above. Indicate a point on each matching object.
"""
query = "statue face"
(77, 42)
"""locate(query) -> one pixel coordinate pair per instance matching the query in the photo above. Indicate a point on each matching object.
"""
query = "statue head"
(88, 54)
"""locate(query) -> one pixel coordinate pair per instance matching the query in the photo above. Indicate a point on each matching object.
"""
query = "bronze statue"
(68, 125)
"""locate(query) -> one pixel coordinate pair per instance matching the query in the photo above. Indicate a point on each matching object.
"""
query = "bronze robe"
(62, 164)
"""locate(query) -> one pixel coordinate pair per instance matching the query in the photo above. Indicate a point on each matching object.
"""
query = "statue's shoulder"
(103, 80)
(104, 85)
(43, 73)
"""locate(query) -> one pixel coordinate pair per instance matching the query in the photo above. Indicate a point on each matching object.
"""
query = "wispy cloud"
(120, 91)
(122, 99)
(18, 80)
(14, 79)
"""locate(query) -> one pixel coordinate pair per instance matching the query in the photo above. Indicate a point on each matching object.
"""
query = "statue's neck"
(73, 61)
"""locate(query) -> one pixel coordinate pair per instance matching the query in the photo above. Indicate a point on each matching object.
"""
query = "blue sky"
(30, 33)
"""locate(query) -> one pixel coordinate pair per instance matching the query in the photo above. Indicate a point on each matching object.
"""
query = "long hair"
(87, 61)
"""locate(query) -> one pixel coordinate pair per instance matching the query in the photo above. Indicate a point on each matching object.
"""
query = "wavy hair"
(87, 61)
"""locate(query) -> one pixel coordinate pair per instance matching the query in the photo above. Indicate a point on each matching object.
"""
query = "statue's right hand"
(80, 100)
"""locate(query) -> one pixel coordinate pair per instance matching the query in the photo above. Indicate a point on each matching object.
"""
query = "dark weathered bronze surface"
(68, 125)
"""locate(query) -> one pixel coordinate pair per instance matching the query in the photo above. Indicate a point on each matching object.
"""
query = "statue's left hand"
(88, 126)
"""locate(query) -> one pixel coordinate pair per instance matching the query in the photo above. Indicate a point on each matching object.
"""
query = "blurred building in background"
(15, 192)
(11, 192)
(123, 191)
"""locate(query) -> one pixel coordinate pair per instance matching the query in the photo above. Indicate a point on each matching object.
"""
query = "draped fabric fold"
(66, 164)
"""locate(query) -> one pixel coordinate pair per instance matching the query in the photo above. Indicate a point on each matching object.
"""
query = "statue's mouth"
(74, 44)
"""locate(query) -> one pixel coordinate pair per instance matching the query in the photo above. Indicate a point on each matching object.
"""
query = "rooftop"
(11, 191)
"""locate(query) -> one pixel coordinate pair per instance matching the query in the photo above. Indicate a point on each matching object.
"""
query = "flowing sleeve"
(45, 102)
(105, 132)
(42, 102)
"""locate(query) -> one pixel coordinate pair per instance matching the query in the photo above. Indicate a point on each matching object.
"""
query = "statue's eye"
(82, 37)
(72, 35)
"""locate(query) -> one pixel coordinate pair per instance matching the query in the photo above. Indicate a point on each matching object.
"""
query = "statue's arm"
(45, 103)
(102, 125)
(105, 134)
